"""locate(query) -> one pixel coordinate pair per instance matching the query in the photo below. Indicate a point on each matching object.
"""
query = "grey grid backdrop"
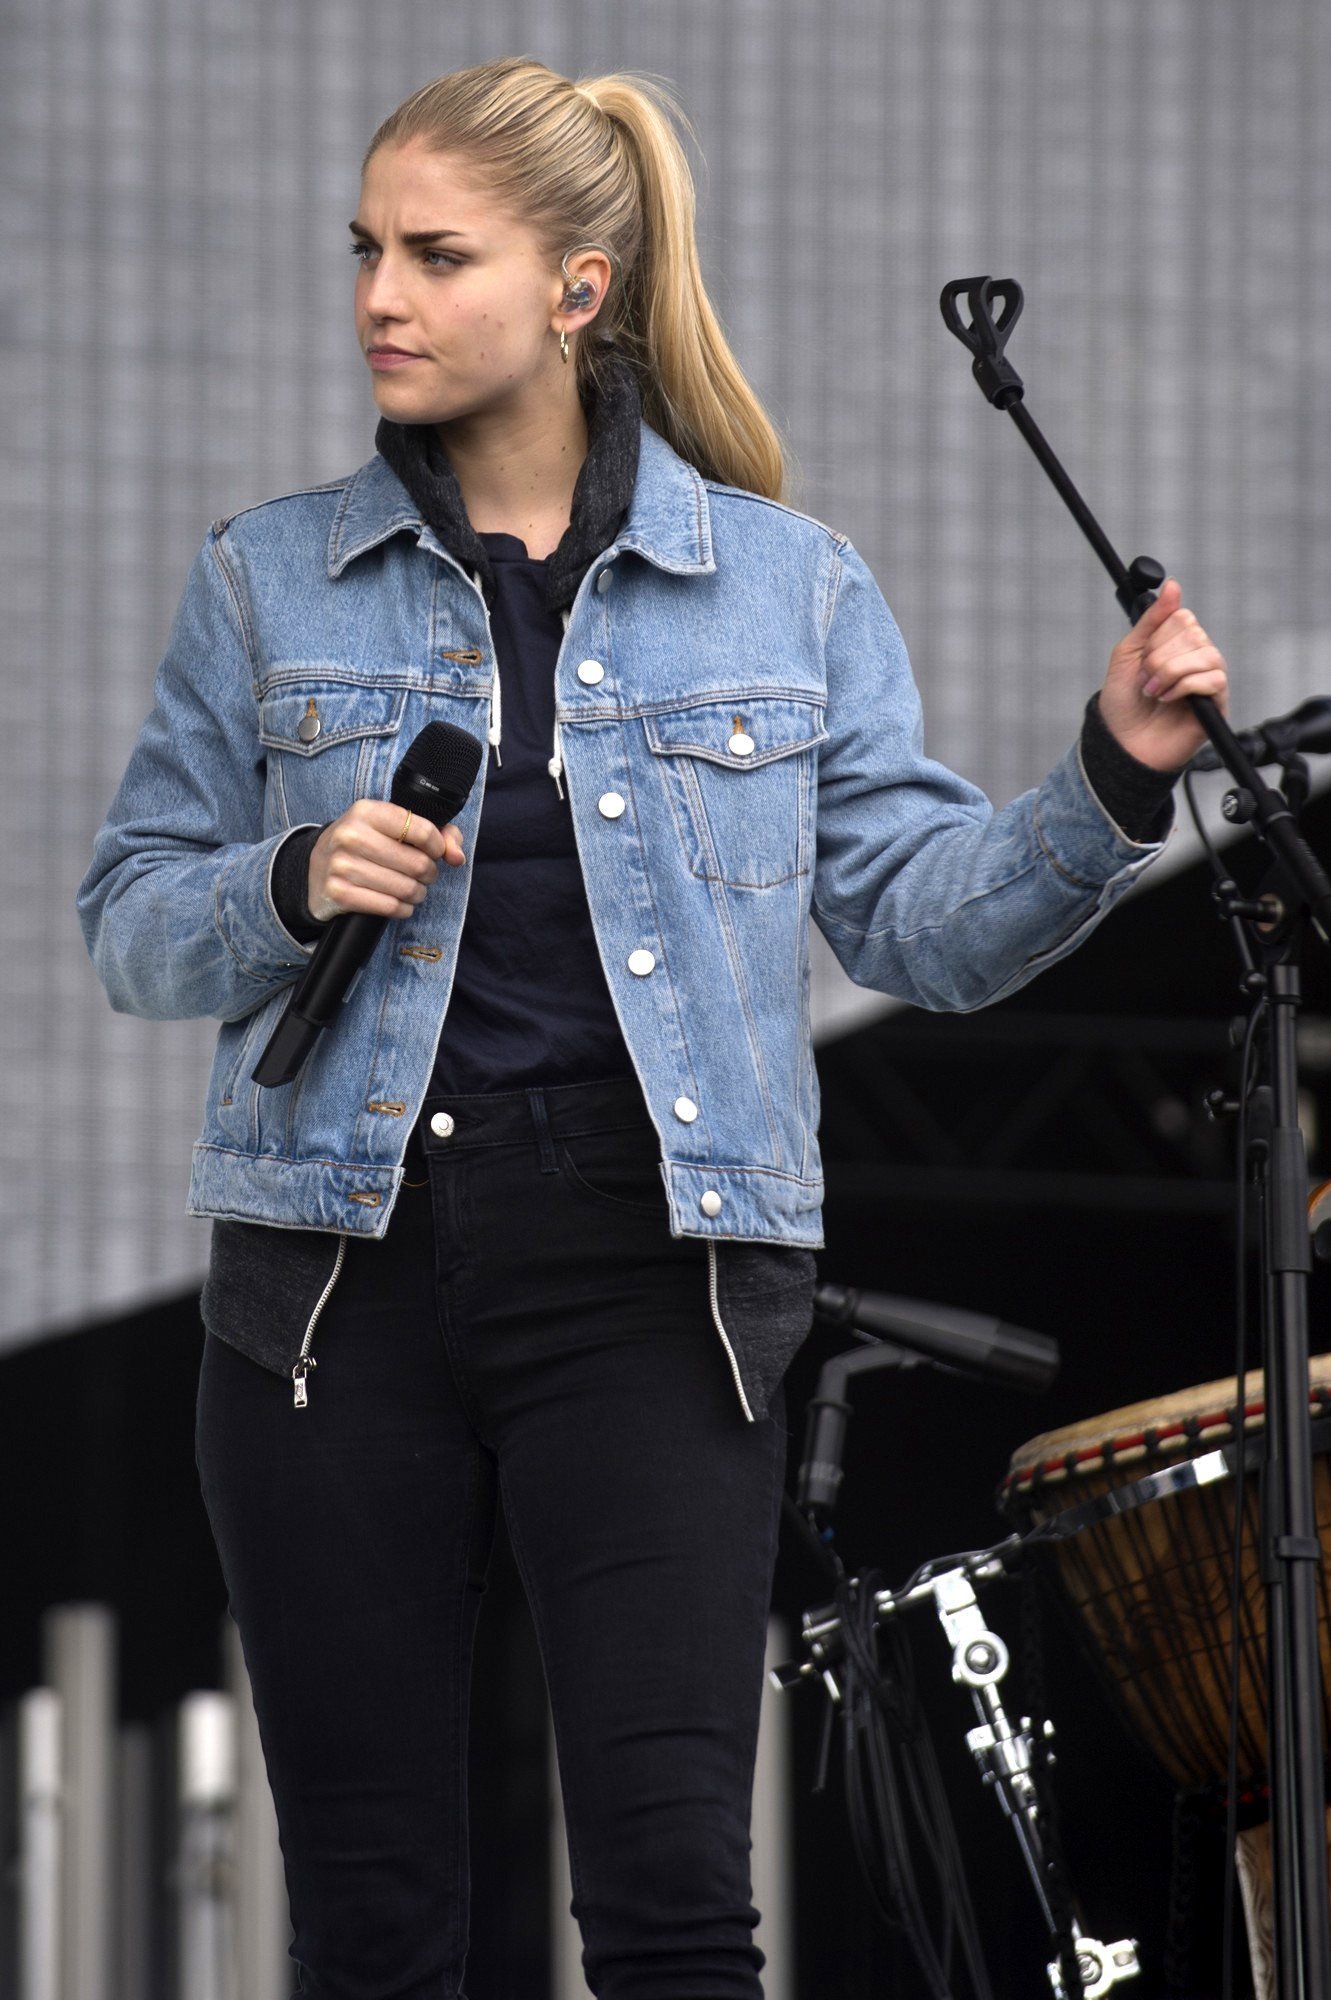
(178, 341)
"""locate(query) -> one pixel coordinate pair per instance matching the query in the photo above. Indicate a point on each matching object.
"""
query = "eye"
(363, 249)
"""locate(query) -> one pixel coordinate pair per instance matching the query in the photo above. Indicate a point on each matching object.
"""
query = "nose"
(380, 294)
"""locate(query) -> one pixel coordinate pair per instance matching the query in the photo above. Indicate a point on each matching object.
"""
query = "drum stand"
(1290, 1547)
(1003, 1754)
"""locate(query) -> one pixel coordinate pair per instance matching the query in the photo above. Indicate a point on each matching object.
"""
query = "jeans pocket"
(618, 1170)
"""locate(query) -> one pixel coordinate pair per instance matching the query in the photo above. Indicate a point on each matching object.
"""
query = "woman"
(547, 1192)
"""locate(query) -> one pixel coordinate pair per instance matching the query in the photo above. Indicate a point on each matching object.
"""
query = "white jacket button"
(590, 671)
(741, 745)
(441, 1125)
(610, 805)
(686, 1109)
(710, 1203)
(641, 962)
(603, 581)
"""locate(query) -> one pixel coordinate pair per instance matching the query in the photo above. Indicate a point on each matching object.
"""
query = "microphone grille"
(445, 757)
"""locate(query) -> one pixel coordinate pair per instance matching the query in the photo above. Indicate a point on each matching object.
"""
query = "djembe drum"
(1151, 1585)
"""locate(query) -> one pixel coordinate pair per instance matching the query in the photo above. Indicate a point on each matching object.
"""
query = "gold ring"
(406, 823)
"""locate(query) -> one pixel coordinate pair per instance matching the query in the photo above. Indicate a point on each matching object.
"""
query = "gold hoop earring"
(563, 343)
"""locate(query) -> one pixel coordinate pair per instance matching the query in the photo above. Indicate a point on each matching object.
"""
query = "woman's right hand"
(359, 863)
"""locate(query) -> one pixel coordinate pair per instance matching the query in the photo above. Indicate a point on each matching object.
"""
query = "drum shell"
(1151, 1587)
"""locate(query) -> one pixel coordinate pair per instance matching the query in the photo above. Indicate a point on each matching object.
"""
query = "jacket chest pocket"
(328, 743)
(740, 774)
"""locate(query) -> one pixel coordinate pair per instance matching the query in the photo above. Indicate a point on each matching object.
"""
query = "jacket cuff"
(1135, 795)
(246, 916)
(1078, 837)
(290, 882)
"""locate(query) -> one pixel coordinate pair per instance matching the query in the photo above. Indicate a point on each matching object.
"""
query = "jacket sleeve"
(177, 906)
(921, 888)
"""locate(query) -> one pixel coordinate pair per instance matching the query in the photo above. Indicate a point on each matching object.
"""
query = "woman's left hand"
(1163, 659)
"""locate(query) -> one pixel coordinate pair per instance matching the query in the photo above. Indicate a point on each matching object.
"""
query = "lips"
(410, 354)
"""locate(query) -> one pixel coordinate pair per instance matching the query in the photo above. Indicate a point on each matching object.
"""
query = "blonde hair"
(595, 162)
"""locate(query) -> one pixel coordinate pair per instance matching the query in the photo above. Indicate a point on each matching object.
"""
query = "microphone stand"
(1290, 1547)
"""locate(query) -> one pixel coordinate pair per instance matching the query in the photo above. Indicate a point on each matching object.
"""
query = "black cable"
(1220, 872)
(864, 1693)
(884, 1725)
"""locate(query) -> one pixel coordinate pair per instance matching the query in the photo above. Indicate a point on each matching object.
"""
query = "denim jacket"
(742, 750)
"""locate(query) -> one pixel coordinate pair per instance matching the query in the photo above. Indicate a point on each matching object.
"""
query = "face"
(476, 307)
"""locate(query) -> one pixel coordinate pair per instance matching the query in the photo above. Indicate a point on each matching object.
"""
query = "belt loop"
(540, 1118)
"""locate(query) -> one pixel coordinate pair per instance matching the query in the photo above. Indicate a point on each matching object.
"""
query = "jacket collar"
(602, 491)
(668, 520)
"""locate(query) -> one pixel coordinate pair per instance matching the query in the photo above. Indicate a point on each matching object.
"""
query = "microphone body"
(433, 780)
(974, 1342)
(986, 1346)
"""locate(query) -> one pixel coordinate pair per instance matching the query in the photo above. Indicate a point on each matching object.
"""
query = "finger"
(453, 848)
(1179, 634)
(1213, 685)
(1167, 601)
(402, 857)
(1204, 680)
(359, 871)
(1200, 659)
(363, 834)
(390, 820)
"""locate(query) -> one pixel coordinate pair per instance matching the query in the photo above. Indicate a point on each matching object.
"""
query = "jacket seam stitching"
(240, 609)
(1077, 881)
(293, 493)
(287, 1160)
(832, 591)
(929, 930)
(778, 506)
(734, 1167)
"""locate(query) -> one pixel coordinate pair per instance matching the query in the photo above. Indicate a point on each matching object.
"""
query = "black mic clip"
(986, 337)
(1136, 593)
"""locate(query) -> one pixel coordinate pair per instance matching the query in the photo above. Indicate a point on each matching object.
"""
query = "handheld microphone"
(434, 778)
(1307, 727)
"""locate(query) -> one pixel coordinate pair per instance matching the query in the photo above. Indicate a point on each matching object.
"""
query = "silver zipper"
(725, 1340)
(305, 1360)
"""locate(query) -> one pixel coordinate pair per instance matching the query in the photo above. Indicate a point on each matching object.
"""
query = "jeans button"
(441, 1125)
(710, 1203)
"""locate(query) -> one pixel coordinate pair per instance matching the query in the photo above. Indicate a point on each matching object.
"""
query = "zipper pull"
(298, 1374)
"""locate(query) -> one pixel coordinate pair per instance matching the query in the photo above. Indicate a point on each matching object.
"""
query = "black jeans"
(527, 1328)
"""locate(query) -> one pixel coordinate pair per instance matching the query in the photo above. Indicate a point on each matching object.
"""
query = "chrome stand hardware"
(1004, 1755)
(979, 1662)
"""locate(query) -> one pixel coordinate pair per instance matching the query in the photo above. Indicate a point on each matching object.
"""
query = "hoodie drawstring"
(555, 764)
(496, 703)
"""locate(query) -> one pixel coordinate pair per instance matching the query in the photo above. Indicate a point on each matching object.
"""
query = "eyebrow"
(410, 236)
